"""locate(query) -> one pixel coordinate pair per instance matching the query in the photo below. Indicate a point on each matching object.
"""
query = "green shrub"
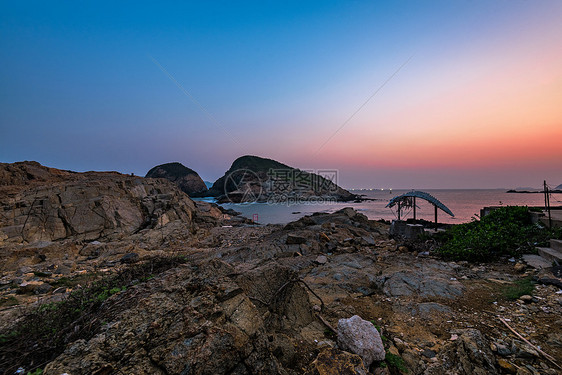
(395, 362)
(505, 231)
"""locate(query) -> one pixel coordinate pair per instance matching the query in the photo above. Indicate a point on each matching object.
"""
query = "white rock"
(362, 338)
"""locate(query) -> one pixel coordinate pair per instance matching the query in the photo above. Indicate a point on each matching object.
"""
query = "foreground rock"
(362, 338)
(187, 179)
(195, 320)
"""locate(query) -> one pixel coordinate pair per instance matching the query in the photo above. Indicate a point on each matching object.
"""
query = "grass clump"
(395, 362)
(520, 288)
(505, 231)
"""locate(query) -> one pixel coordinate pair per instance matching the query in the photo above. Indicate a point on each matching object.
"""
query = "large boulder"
(187, 179)
(360, 337)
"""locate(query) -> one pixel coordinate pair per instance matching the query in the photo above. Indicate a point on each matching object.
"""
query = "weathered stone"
(362, 338)
(28, 287)
(321, 259)
(502, 350)
(525, 351)
(129, 258)
(336, 362)
(428, 353)
(293, 239)
(507, 366)
(519, 267)
(400, 345)
(469, 354)
(403, 283)
(555, 339)
(43, 289)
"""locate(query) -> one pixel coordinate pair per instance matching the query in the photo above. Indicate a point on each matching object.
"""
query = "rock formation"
(187, 179)
(45, 204)
(256, 179)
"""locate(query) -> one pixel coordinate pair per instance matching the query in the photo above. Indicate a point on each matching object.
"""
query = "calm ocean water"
(465, 204)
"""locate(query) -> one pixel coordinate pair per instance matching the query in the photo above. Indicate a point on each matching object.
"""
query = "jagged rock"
(187, 179)
(336, 362)
(469, 354)
(191, 320)
(275, 289)
(362, 338)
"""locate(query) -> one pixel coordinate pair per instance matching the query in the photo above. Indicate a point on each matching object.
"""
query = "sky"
(403, 94)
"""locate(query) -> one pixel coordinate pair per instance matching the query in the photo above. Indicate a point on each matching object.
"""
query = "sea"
(465, 205)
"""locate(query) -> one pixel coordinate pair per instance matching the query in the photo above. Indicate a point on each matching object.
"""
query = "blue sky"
(81, 87)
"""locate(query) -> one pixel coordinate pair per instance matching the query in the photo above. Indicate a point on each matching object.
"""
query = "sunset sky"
(462, 93)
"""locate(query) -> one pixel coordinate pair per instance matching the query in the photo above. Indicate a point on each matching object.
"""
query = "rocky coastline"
(197, 290)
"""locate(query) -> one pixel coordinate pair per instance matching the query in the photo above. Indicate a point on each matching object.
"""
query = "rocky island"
(104, 273)
(256, 179)
(187, 179)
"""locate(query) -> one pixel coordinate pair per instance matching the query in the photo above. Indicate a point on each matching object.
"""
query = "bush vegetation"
(505, 231)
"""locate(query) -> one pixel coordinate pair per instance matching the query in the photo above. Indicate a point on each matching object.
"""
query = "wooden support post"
(398, 210)
(414, 208)
(547, 204)
(435, 216)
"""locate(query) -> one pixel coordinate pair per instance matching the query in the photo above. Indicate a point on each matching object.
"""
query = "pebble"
(519, 267)
(399, 344)
(428, 353)
(321, 259)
